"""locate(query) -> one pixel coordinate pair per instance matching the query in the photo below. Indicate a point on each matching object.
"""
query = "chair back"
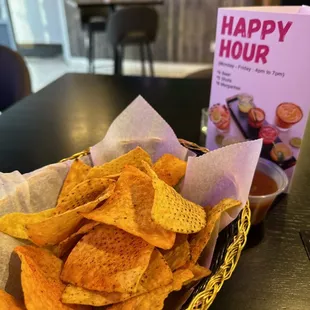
(14, 78)
(132, 25)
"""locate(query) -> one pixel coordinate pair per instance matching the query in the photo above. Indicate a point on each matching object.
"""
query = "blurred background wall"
(186, 32)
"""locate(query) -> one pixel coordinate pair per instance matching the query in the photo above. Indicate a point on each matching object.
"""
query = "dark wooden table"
(75, 112)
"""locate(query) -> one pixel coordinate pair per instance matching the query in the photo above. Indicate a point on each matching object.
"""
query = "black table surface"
(75, 112)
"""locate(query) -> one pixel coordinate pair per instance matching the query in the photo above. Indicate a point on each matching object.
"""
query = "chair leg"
(150, 57)
(142, 59)
(90, 50)
(118, 59)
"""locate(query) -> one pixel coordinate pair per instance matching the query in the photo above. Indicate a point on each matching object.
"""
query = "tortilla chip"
(14, 224)
(83, 193)
(77, 173)
(200, 240)
(156, 275)
(8, 302)
(130, 206)
(199, 272)
(170, 169)
(133, 158)
(59, 227)
(172, 211)
(107, 259)
(40, 279)
(179, 255)
(180, 277)
(65, 246)
(155, 299)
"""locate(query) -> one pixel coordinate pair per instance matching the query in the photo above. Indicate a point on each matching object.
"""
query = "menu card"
(260, 85)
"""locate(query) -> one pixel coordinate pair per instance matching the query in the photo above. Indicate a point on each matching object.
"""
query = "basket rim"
(205, 298)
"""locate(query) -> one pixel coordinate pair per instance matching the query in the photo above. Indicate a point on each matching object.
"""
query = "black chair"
(132, 26)
(14, 78)
(93, 20)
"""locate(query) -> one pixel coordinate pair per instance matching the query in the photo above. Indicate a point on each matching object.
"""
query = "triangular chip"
(199, 272)
(172, 211)
(179, 255)
(40, 279)
(14, 224)
(65, 246)
(59, 227)
(130, 206)
(77, 173)
(133, 158)
(8, 302)
(170, 169)
(154, 299)
(156, 275)
(200, 240)
(83, 193)
(107, 259)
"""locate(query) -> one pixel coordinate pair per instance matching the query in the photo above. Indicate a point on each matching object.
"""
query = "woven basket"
(230, 243)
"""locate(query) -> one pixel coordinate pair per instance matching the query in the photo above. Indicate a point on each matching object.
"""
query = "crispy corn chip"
(171, 210)
(133, 158)
(14, 224)
(199, 272)
(129, 208)
(65, 246)
(179, 255)
(180, 277)
(59, 227)
(170, 169)
(77, 173)
(156, 275)
(40, 279)
(8, 302)
(155, 299)
(200, 240)
(107, 259)
(83, 193)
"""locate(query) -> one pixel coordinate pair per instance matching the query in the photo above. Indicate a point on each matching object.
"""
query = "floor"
(43, 71)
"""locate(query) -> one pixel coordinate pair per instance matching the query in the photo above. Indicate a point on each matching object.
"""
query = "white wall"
(36, 21)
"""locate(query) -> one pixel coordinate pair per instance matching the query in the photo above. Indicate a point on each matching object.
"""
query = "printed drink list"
(260, 85)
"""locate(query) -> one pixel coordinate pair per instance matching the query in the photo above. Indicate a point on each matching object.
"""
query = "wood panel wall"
(186, 30)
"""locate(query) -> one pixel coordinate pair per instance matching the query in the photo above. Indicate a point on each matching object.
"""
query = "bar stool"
(132, 26)
(93, 20)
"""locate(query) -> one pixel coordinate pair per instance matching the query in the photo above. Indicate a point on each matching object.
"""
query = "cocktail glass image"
(245, 103)
(268, 133)
(281, 152)
(256, 117)
(220, 117)
(287, 115)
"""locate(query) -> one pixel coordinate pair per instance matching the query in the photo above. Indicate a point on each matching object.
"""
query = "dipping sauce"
(256, 117)
(288, 114)
(262, 184)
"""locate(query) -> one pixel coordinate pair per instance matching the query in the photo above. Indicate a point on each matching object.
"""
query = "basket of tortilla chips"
(126, 224)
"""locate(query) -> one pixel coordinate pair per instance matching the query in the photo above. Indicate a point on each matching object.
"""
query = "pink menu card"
(260, 83)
